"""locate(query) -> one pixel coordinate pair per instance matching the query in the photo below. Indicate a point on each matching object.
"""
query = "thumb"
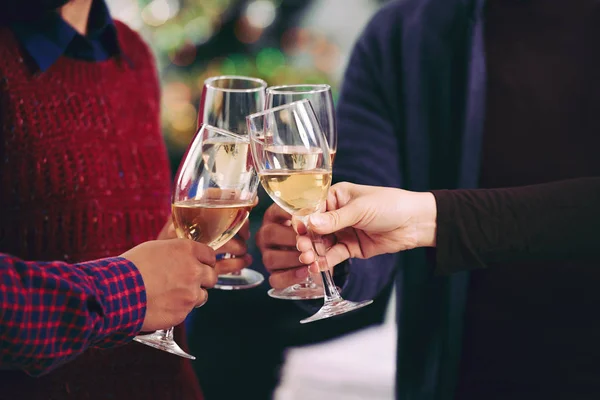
(333, 221)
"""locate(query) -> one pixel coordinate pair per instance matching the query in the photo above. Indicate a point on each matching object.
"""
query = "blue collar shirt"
(48, 39)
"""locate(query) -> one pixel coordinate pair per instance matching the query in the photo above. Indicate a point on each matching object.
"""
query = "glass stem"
(309, 280)
(332, 295)
(168, 334)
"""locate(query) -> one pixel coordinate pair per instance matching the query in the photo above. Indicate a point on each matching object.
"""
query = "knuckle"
(196, 277)
(211, 259)
(186, 245)
(210, 279)
(335, 216)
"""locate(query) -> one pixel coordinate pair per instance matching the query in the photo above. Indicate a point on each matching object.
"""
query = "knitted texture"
(84, 175)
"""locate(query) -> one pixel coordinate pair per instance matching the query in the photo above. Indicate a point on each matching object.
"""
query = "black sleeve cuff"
(453, 248)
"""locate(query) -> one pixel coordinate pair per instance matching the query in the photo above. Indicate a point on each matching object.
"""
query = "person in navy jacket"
(446, 94)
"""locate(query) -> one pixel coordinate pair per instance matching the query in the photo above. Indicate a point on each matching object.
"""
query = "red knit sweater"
(83, 175)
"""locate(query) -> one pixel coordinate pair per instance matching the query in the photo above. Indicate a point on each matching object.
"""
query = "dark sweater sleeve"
(478, 228)
(368, 145)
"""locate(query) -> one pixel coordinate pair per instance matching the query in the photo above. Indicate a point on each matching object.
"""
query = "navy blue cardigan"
(410, 115)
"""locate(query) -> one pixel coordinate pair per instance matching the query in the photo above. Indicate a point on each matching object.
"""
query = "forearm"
(477, 228)
(51, 311)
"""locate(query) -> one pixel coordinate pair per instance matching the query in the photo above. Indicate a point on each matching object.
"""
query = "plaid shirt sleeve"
(50, 312)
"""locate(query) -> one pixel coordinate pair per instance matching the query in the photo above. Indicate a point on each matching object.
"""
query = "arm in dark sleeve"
(51, 311)
(368, 146)
(478, 228)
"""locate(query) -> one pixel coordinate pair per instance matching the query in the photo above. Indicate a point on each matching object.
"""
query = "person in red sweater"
(84, 175)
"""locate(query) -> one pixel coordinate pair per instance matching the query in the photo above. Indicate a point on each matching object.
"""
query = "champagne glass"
(322, 102)
(293, 162)
(225, 103)
(320, 98)
(215, 189)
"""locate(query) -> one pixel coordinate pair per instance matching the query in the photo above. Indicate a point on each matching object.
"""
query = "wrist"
(426, 219)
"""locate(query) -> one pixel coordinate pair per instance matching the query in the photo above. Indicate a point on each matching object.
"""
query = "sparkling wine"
(297, 192)
(209, 221)
(227, 160)
(293, 157)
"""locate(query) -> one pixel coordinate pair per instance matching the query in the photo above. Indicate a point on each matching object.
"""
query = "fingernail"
(302, 272)
(317, 220)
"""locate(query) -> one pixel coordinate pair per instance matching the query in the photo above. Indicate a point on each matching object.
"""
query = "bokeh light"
(185, 55)
(260, 13)
(158, 12)
(245, 32)
(269, 60)
(198, 30)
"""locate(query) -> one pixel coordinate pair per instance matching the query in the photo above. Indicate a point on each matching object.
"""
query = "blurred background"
(239, 338)
(280, 41)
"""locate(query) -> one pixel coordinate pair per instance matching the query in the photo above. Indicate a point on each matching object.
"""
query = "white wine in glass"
(297, 192)
(215, 189)
(212, 222)
(294, 164)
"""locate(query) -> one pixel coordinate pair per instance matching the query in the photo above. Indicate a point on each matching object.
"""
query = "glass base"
(336, 308)
(299, 291)
(247, 279)
(158, 341)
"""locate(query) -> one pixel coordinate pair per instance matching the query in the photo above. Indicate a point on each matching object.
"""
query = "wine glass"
(322, 102)
(320, 98)
(225, 103)
(293, 162)
(215, 189)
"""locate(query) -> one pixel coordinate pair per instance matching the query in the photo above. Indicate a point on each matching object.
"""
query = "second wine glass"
(321, 99)
(294, 165)
(215, 189)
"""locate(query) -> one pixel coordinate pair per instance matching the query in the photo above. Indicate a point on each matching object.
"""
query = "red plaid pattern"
(50, 312)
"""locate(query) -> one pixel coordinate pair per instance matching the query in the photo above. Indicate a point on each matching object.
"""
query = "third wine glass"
(293, 162)
(215, 189)
(321, 100)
